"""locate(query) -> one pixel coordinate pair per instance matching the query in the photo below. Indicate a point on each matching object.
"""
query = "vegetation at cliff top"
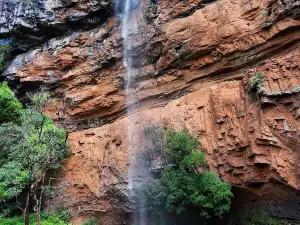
(31, 147)
(185, 184)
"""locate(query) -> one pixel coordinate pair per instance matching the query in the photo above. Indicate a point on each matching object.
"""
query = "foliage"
(11, 108)
(48, 218)
(49, 192)
(12, 180)
(40, 99)
(180, 144)
(193, 160)
(90, 221)
(154, 195)
(182, 149)
(64, 215)
(33, 142)
(255, 87)
(178, 189)
(182, 185)
(30, 146)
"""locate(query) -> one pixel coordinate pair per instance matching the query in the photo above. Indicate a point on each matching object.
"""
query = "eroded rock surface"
(194, 61)
(32, 22)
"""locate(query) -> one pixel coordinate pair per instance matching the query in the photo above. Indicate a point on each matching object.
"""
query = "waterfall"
(125, 10)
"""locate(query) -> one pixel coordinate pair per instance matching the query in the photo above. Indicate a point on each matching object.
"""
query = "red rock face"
(194, 63)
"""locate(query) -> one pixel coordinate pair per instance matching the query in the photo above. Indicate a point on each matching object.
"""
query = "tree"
(32, 147)
(182, 185)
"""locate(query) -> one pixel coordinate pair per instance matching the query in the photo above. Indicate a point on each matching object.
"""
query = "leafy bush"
(11, 108)
(182, 185)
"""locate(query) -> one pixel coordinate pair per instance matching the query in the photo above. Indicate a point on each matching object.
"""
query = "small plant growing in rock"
(255, 88)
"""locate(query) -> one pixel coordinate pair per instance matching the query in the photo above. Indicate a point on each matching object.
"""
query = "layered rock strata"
(196, 60)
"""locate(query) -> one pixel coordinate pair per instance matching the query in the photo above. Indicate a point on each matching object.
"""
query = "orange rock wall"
(195, 61)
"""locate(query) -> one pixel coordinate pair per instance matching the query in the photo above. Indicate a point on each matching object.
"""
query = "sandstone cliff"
(194, 61)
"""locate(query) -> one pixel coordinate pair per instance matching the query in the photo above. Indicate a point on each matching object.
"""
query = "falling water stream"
(125, 9)
(125, 16)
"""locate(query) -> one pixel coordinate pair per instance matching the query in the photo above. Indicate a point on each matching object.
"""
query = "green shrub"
(182, 185)
(11, 108)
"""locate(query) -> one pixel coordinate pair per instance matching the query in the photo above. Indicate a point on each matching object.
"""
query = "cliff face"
(194, 62)
(32, 22)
